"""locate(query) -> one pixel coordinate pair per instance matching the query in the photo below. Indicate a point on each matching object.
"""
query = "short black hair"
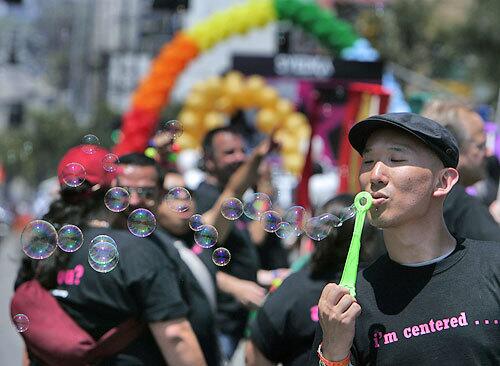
(208, 147)
(139, 159)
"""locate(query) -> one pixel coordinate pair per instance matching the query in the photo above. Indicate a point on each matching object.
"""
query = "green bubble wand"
(362, 203)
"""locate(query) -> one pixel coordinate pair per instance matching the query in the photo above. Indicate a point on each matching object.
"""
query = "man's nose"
(378, 174)
(135, 199)
(239, 156)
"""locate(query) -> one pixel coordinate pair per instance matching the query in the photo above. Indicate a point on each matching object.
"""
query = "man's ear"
(209, 165)
(445, 180)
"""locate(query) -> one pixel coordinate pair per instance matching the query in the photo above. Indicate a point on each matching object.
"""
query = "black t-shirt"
(231, 315)
(200, 314)
(272, 254)
(446, 313)
(284, 327)
(144, 284)
(467, 217)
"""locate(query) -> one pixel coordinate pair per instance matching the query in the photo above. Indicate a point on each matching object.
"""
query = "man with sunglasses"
(194, 330)
(465, 215)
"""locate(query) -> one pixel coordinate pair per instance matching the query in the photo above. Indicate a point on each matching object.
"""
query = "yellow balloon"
(199, 87)
(233, 77)
(284, 107)
(255, 83)
(213, 120)
(197, 102)
(214, 86)
(303, 131)
(288, 142)
(268, 97)
(295, 121)
(191, 122)
(224, 104)
(293, 163)
(266, 120)
(187, 141)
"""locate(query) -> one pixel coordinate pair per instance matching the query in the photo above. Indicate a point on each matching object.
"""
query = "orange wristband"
(325, 362)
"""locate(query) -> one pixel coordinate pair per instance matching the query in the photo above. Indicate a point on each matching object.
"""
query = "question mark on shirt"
(79, 271)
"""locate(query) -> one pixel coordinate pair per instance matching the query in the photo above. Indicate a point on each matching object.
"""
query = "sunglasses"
(148, 193)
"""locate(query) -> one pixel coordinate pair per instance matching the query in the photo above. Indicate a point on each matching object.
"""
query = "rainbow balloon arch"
(153, 92)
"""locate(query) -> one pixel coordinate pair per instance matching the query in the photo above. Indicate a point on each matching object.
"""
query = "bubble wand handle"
(362, 202)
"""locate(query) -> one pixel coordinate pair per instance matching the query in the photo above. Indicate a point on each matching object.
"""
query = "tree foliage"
(34, 150)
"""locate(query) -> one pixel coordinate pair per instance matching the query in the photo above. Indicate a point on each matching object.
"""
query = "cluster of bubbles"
(74, 174)
(40, 239)
(294, 222)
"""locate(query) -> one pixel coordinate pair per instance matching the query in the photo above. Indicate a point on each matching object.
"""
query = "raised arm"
(243, 178)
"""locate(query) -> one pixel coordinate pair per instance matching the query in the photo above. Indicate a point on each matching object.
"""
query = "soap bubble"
(221, 256)
(141, 222)
(73, 174)
(297, 217)
(232, 208)
(110, 163)
(90, 143)
(285, 230)
(70, 238)
(178, 199)
(21, 322)
(348, 213)
(195, 222)
(39, 239)
(116, 199)
(103, 254)
(318, 228)
(270, 220)
(206, 237)
(173, 127)
(257, 205)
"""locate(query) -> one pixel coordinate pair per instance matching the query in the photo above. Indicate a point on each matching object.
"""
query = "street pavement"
(11, 344)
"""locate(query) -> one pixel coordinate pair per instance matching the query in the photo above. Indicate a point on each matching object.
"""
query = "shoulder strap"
(195, 265)
(116, 339)
(199, 271)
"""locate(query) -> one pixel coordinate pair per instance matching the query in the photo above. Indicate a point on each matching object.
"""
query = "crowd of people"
(428, 292)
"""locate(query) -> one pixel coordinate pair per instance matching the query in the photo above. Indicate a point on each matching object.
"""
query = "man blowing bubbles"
(433, 299)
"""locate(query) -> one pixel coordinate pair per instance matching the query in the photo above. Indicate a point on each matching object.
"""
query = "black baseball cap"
(431, 133)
